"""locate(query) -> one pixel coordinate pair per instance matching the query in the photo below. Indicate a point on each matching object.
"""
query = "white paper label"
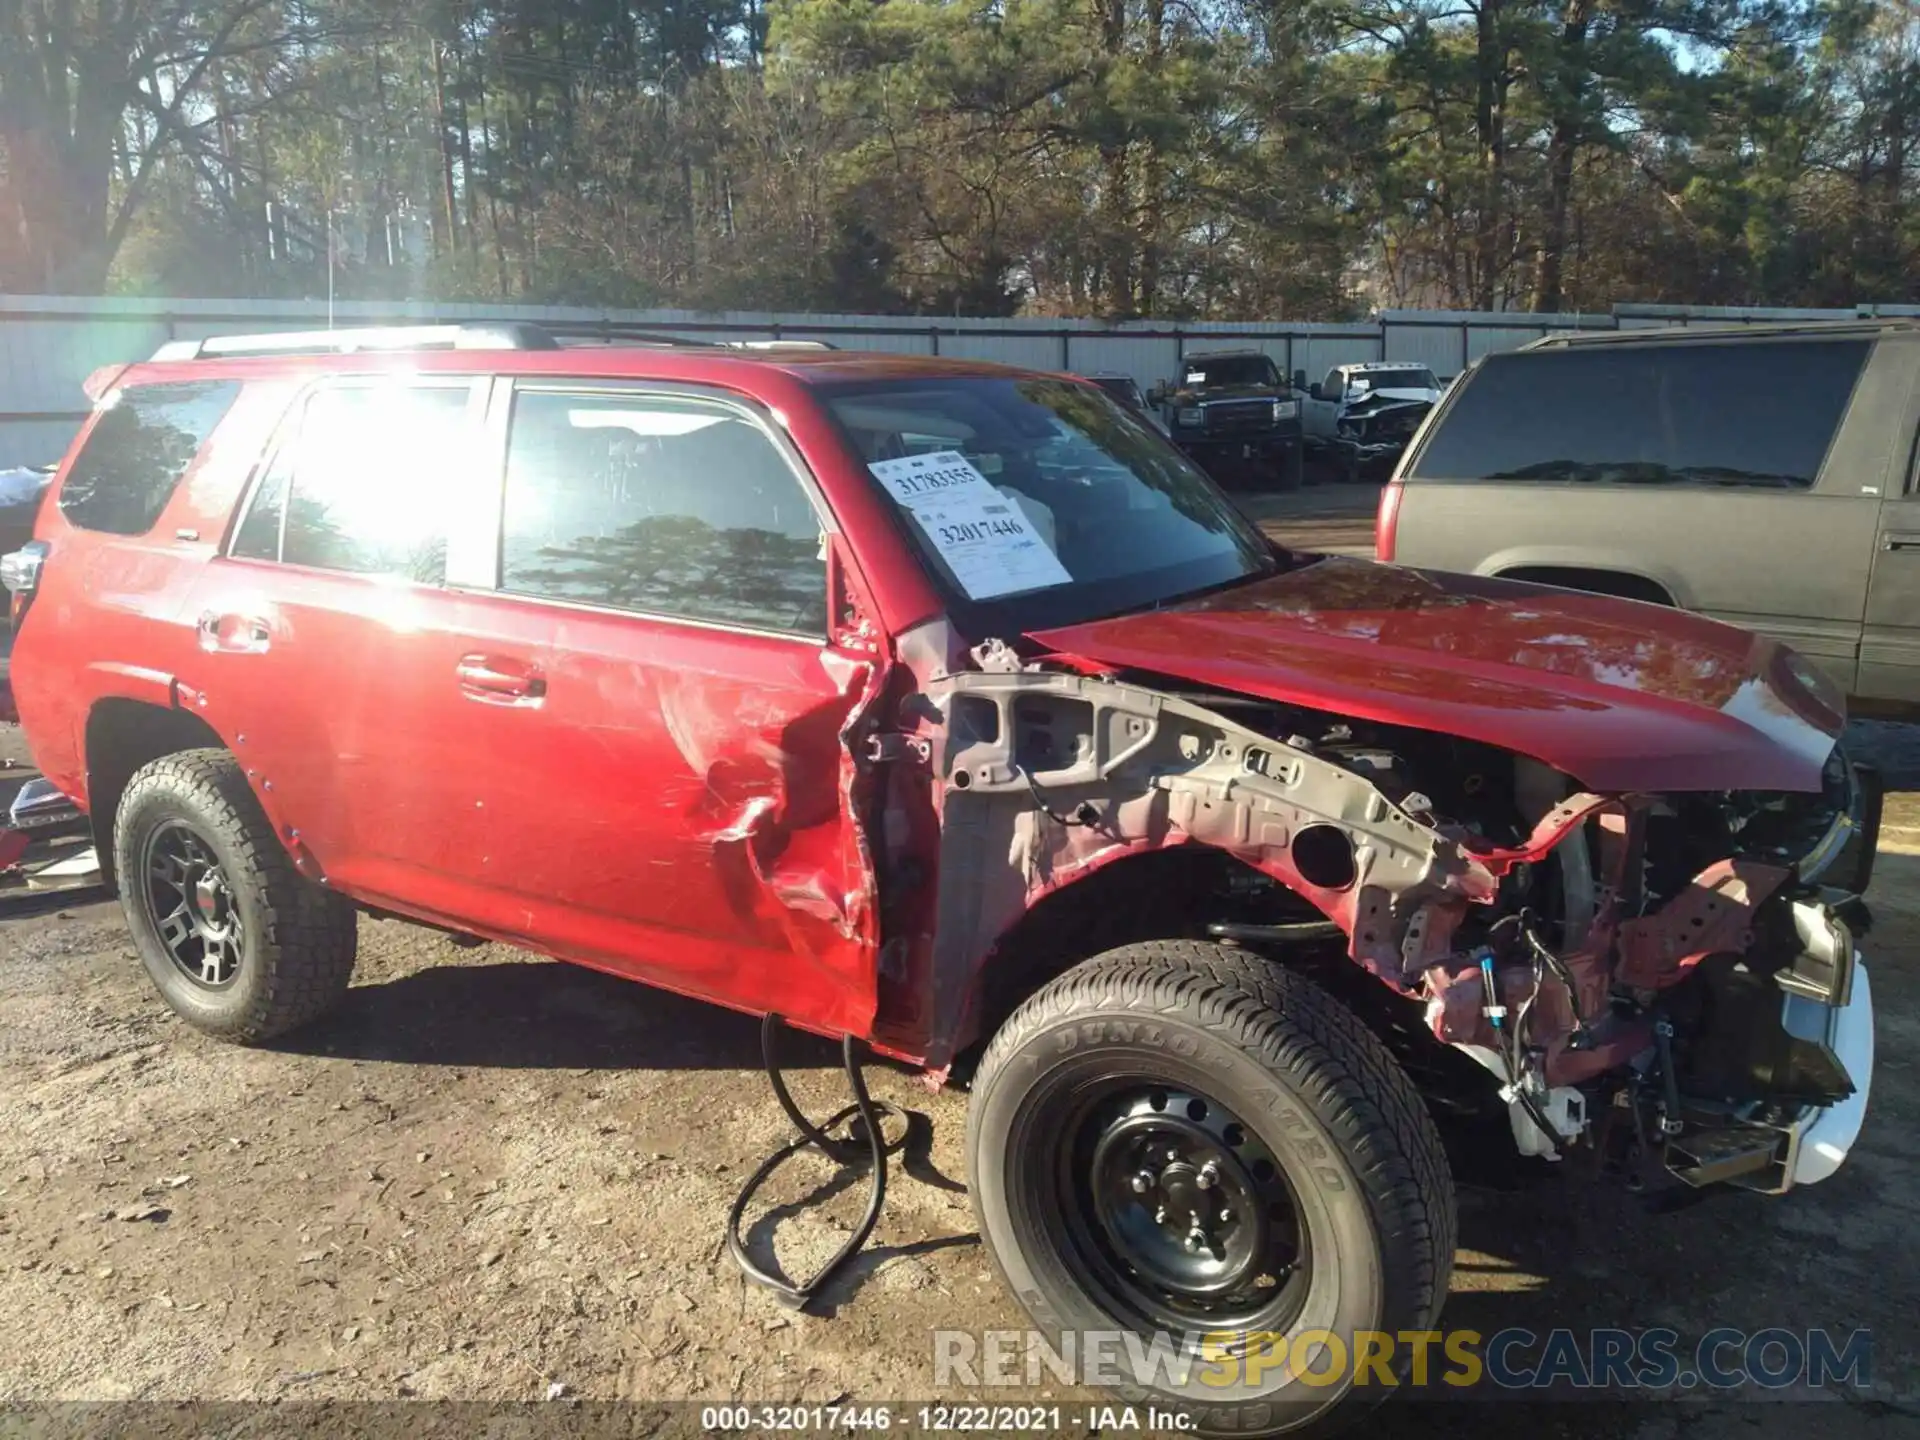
(980, 533)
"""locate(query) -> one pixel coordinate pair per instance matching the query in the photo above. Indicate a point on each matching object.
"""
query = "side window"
(661, 505)
(1331, 387)
(137, 451)
(1746, 414)
(368, 484)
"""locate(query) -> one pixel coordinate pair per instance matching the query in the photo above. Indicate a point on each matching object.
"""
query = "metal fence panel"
(50, 344)
(35, 442)
(1317, 354)
(1036, 352)
(1147, 358)
(1441, 348)
(1488, 340)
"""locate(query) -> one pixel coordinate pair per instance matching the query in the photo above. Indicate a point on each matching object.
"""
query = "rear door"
(1744, 479)
(328, 626)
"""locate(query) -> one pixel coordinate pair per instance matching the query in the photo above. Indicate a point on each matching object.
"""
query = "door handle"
(500, 682)
(234, 634)
(1900, 540)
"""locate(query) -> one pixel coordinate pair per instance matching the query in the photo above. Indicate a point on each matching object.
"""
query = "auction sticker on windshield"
(982, 535)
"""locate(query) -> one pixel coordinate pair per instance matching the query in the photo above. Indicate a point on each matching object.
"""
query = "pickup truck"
(1236, 416)
(1361, 416)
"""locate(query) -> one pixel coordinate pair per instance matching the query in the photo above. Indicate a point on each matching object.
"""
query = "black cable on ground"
(871, 1114)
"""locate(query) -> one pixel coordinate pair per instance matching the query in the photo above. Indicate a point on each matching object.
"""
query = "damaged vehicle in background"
(949, 708)
(1362, 417)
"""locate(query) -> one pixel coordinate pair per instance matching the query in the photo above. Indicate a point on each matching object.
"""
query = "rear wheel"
(1183, 1141)
(235, 940)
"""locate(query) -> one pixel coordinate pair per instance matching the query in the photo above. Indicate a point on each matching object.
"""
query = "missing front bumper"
(1772, 1159)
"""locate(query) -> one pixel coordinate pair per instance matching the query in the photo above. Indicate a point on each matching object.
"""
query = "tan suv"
(1763, 475)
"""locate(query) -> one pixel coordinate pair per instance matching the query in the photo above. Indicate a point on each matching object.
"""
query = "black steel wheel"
(237, 941)
(1193, 1144)
(1176, 1212)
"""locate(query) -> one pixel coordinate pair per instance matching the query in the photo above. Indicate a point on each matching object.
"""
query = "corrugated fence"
(50, 344)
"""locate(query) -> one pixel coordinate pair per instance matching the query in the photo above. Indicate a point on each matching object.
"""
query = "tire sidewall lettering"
(1303, 1134)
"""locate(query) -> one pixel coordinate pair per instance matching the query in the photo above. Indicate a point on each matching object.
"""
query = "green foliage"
(1269, 158)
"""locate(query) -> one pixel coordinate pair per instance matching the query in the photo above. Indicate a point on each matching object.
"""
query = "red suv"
(949, 707)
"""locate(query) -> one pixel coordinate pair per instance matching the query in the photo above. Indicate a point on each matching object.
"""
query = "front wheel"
(1290, 474)
(1186, 1142)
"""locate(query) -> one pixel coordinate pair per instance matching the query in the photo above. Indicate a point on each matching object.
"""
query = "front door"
(664, 788)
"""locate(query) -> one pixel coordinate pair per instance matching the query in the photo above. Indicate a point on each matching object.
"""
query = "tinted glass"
(368, 485)
(665, 506)
(1129, 521)
(1738, 414)
(138, 450)
(1230, 370)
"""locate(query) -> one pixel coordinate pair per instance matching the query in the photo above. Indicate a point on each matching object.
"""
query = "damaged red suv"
(948, 707)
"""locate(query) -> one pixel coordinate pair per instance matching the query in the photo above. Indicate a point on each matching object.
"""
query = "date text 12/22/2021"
(938, 1419)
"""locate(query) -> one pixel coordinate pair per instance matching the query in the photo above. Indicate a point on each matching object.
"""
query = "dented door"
(654, 713)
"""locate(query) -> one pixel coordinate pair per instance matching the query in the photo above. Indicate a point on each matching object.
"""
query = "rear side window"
(370, 484)
(662, 505)
(137, 451)
(1739, 414)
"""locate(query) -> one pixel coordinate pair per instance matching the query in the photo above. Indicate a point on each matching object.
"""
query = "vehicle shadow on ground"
(521, 1015)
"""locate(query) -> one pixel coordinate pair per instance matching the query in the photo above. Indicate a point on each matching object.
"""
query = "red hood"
(1618, 694)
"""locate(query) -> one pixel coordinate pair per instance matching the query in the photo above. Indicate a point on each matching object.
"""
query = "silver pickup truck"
(1763, 475)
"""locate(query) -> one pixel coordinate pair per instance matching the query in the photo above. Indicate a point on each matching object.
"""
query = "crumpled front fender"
(1044, 777)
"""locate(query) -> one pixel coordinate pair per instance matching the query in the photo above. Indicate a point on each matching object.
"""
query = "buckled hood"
(1624, 696)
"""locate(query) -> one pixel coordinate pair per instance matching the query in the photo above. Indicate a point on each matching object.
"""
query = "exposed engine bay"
(1665, 979)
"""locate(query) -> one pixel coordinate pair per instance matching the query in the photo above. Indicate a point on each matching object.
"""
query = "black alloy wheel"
(190, 903)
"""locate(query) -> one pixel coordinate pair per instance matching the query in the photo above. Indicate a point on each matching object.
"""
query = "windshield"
(1207, 372)
(1040, 502)
(1395, 380)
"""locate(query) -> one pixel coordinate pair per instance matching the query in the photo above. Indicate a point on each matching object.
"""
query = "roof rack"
(503, 335)
(513, 336)
(612, 335)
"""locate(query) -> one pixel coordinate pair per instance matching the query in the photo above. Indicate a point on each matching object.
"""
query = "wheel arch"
(1624, 584)
(120, 737)
(1595, 574)
(1166, 894)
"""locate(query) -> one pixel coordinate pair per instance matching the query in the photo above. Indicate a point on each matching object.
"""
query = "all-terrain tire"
(297, 939)
(1328, 1101)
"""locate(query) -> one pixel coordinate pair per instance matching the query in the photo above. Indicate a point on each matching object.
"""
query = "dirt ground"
(490, 1175)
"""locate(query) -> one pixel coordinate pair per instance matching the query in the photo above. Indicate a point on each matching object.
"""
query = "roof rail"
(1722, 330)
(516, 335)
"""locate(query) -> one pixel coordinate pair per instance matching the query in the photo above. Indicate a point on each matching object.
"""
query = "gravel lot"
(491, 1174)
